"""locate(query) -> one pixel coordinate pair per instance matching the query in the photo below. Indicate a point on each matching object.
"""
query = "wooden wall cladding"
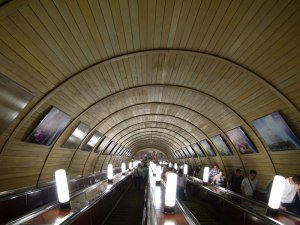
(191, 71)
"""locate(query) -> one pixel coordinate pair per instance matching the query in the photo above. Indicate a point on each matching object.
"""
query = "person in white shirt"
(291, 189)
(249, 184)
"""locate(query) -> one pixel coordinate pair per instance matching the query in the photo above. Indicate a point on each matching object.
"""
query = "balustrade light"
(62, 189)
(170, 193)
(123, 168)
(205, 175)
(276, 193)
(158, 174)
(185, 169)
(110, 173)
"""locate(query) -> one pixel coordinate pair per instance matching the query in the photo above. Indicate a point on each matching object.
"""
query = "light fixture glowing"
(205, 175)
(175, 166)
(110, 173)
(170, 193)
(276, 192)
(123, 168)
(130, 166)
(170, 164)
(62, 189)
(158, 174)
(185, 169)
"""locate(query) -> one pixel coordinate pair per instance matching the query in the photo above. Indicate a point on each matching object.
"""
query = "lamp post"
(275, 195)
(185, 169)
(158, 174)
(123, 168)
(170, 193)
(205, 175)
(62, 189)
(110, 173)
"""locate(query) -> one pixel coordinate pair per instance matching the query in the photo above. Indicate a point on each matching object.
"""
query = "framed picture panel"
(276, 133)
(241, 141)
(198, 149)
(49, 128)
(93, 140)
(77, 136)
(221, 146)
(207, 148)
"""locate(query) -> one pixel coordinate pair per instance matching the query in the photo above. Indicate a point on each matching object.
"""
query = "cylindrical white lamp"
(170, 193)
(185, 169)
(158, 174)
(154, 169)
(205, 175)
(130, 166)
(110, 173)
(175, 166)
(62, 189)
(170, 164)
(123, 168)
(276, 192)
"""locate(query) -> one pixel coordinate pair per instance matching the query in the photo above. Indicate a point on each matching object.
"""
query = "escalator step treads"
(201, 212)
(130, 208)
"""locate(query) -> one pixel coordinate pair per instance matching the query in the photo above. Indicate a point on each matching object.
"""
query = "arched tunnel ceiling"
(161, 74)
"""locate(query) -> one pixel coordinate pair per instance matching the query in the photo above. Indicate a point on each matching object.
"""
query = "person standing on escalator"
(138, 176)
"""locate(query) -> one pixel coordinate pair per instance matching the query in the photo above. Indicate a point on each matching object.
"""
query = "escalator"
(129, 209)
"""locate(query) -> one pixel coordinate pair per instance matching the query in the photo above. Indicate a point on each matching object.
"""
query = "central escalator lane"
(129, 209)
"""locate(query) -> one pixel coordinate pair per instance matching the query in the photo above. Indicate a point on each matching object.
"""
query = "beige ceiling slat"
(143, 23)
(245, 13)
(38, 18)
(172, 67)
(133, 73)
(77, 55)
(211, 23)
(197, 24)
(110, 26)
(184, 70)
(22, 70)
(189, 23)
(98, 84)
(102, 29)
(66, 13)
(272, 33)
(38, 48)
(64, 37)
(84, 29)
(153, 68)
(149, 72)
(104, 87)
(174, 23)
(93, 29)
(114, 77)
(223, 86)
(190, 75)
(221, 33)
(256, 29)
(144, 69)
(125, 13)
(27, 58)
(138, 69)
(117, 18)
(166, 23)
(121, 73)
(182, 21)
(159, 17)
(151, 14)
